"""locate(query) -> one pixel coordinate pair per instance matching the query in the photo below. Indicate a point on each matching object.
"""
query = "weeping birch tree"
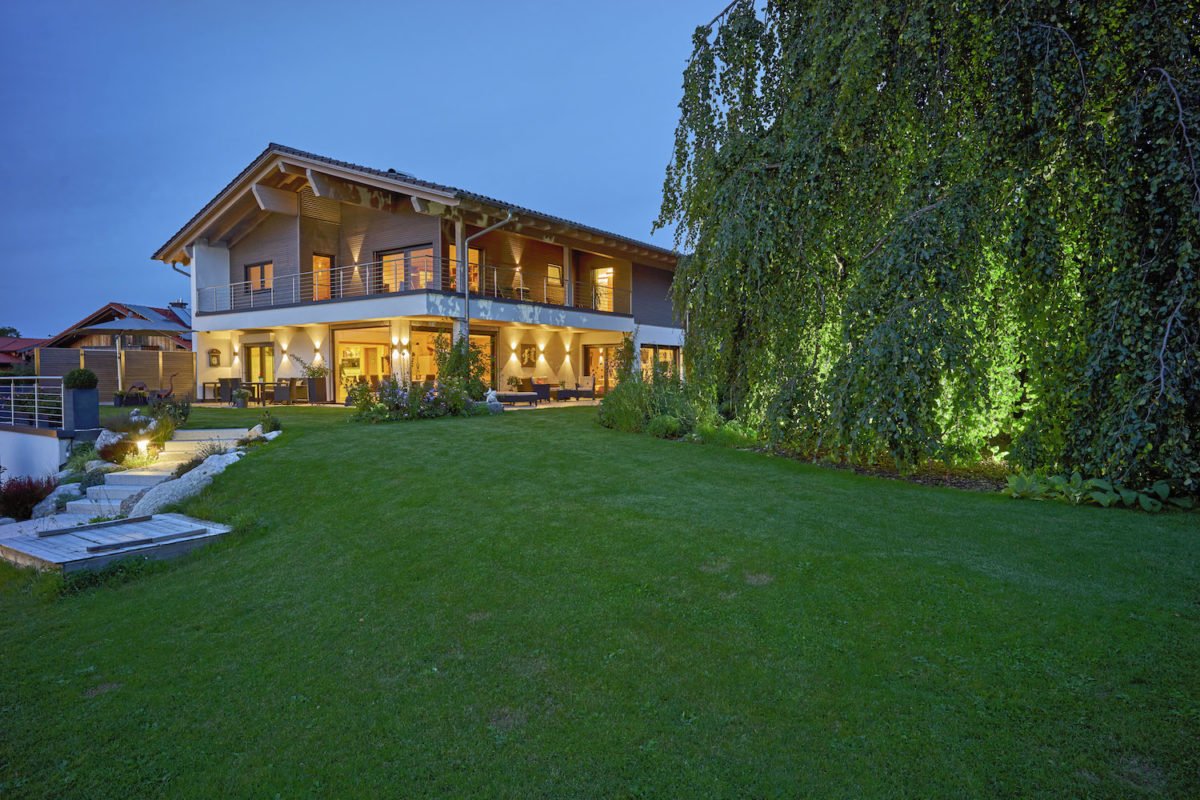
(917, 229)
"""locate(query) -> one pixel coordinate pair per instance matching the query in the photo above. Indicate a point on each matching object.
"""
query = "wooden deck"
(49, 544)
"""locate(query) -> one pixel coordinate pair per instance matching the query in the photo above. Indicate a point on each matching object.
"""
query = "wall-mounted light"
(395, 353)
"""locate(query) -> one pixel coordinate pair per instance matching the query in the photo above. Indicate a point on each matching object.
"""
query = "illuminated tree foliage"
(921, 227)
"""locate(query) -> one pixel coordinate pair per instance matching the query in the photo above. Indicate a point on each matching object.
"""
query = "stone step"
(137, 477)
(95, 508)
(205, 434)
(193, 445)
(116, 492)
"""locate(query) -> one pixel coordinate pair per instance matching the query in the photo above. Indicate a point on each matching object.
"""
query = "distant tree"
(9, 330)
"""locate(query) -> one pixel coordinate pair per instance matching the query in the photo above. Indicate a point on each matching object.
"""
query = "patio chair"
(226, 387)
(281, 392)
(541, 387)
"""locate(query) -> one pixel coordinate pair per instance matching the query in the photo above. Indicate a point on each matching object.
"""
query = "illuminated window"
(322, 272)
(474, 259)
(405, 270)
(554, 275)
(259, 276)
(602, 288)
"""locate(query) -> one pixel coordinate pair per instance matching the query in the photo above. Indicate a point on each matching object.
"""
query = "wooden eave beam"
(277, 201)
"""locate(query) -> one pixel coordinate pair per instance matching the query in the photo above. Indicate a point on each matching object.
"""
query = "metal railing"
(414, 273)
(35, 402)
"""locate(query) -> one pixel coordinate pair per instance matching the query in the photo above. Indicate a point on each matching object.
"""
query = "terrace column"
(568, 278)
(463, 273)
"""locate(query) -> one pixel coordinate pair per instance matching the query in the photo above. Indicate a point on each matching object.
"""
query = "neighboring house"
(146, 318)
(358, 269)
(17, 351)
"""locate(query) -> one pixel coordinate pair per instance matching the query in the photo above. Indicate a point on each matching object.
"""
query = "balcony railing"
(36, 402)
(411, 275)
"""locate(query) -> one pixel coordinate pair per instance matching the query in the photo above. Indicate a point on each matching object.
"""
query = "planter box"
(81, 409)
(316, 390)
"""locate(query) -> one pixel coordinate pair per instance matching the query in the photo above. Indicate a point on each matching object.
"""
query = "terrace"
(398, 276)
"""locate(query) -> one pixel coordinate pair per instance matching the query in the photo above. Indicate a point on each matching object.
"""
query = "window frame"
(406, 265)
(265, 282)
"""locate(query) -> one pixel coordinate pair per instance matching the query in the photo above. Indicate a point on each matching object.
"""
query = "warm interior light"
(395, 340)
(395, 353)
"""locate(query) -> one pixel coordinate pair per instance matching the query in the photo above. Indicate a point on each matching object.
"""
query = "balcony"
(415, 274)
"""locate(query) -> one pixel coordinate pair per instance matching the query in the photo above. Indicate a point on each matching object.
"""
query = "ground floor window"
(423, 353)
(361, 355)
(665, 357)
(600, 361)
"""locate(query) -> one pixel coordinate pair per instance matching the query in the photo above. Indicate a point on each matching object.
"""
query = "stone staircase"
(105, 500)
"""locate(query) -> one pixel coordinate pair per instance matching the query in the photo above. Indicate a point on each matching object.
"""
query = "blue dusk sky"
(122, 119)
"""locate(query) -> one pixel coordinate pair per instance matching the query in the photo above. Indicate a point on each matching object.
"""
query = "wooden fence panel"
(104, 364)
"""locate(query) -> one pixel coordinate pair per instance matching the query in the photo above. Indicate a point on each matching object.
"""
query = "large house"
(360, 269)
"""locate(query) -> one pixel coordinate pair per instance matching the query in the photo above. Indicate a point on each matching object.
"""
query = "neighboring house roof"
(19, 344)
(401, 179)
(135, 314)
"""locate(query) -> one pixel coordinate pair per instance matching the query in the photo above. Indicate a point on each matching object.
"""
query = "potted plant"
(315, 375)
(81, 400)
(514, 382)
(118, 398)
(240, 397)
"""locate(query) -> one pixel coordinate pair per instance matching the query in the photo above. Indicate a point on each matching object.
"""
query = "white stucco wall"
(30, 454)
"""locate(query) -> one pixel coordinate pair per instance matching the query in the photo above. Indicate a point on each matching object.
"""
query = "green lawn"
(531, 605)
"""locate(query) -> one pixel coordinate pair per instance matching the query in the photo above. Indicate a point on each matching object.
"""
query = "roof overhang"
(261, 189)
(271, 182)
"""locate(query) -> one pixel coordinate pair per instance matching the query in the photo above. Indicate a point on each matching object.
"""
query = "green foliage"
(918, 232)
(80, 455)
(664, 426)
(728, 434)
(187, 466)
(175, 409)
(316, 371)
(117, 451)
(90, 479)
(633, 403)
(463, 362)
(1077, 490)
(80, 378)
(19, 495)
(270, 422)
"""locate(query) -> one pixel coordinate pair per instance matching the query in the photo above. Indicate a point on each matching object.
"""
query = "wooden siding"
(275, 240)
(366, 232)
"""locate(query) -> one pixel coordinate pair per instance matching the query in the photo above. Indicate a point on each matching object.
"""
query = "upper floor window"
(405, 270)
(554, 275)
(260, 276)
(474, 259)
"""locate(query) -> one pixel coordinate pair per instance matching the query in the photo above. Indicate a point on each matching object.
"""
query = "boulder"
(270, 437)
(63, 473)
(106, 438)
(6, 520)
(255, 432)
(129, 502)
(180, 489)
(49, 505)
(100, 466)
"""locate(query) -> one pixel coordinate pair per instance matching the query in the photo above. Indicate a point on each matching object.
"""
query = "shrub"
(633, 403)
(664, 426)
(116, 452)
(270, 422)
(164, 429)
(727, 434)
(177, 410)
(187, 466)
(18, 496)
(80, 378)
(93, 478)
(211, 449)
(461, 361)
(1077, 490)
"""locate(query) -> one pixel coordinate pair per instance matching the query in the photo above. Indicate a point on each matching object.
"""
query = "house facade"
(140, 327)
(361, 269)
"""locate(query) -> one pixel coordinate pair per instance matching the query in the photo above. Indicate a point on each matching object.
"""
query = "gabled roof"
(151, 314)
(401, 181)
(17, 344)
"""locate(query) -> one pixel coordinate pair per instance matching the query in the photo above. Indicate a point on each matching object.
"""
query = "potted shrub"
(314, 375)
(81, 401)
(240, 398)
